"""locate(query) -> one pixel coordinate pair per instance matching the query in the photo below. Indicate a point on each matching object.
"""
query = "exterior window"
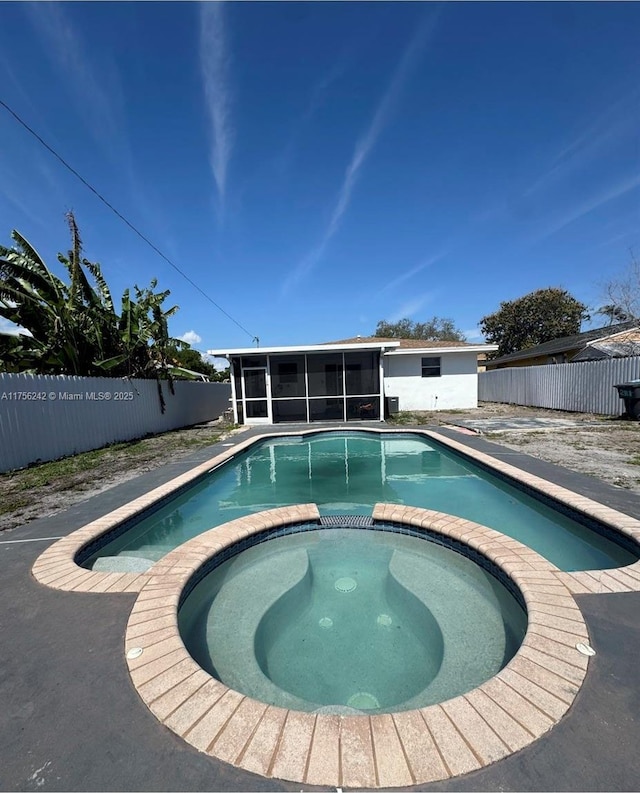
(431, 367)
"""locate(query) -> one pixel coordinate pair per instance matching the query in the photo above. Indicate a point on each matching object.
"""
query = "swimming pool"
(526, 697)
(346, 473)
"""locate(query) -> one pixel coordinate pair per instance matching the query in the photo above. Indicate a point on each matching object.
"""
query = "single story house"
(351, 380)
(613, 341)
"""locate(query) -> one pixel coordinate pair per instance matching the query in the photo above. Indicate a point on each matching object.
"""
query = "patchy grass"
(43, 474)
(10, 504)
(45, 487)
(420, 417)
(407, 417)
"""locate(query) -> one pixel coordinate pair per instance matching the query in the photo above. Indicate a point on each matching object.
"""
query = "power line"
(123, 218)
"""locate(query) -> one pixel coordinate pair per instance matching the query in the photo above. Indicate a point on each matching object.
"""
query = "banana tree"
(73, 328)
(145, 343)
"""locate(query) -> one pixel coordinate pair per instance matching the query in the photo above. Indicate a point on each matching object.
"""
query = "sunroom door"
(256, 403)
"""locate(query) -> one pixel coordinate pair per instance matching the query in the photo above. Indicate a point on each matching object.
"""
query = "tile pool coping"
(453, 725)
(505, 714)
(56, 567)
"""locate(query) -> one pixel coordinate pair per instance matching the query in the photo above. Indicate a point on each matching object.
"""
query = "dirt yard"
(602, 447)
(607, 448)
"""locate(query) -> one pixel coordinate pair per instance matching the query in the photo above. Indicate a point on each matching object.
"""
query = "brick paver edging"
(622, 579)
(522, 702)
(56, 566)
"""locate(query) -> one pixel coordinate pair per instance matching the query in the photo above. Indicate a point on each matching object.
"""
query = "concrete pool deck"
(73, 721)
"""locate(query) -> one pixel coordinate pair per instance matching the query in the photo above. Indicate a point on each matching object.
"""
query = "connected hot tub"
(349, 620)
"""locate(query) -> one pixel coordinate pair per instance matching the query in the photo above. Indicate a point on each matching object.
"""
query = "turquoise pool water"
(349, 618)
(347, 473)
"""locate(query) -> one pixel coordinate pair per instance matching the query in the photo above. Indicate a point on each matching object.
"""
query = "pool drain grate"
(345, 584)
(346, 521)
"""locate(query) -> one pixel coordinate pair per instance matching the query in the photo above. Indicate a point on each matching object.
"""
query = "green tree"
(435, 329)
(537, 317)
(191, 359)
(62, 319)
(73, 328)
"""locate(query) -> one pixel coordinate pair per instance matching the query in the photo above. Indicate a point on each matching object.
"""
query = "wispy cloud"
(8, 72)
(282, 162)
(625, 235)
(618, 118)
(411, 272)
(411, 307)
(29, 197)
(96, 99)
(190, 337)
(363, 148)
(99, 102)
(214, 65)
(93, 83)
(615, 123)
(595, 202)
(601, 137)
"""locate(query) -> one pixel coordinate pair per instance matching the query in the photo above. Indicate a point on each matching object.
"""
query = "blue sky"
(317, 167)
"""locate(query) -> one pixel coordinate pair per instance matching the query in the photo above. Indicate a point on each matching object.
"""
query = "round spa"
(351, 620)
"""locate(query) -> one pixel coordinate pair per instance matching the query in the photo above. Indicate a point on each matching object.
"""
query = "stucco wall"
(457, 386)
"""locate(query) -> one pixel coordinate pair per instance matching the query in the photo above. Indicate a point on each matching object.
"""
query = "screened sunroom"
(304, 384)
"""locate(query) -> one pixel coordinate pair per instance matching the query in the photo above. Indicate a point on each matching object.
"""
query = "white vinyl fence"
(44, 417)
(585, 387)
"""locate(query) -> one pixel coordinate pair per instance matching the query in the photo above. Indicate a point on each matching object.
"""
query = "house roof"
(608, 349)
(302, 348)
(408, 346)
(386, 346)
(404, 344)
(566, 343)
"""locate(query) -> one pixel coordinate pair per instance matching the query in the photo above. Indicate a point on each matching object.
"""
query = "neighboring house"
(352, 379)
(614, 341)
